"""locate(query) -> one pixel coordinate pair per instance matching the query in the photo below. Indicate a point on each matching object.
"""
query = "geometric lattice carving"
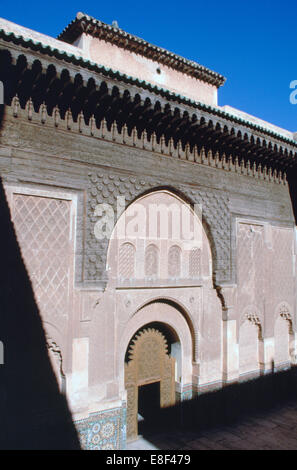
(282, 266)
(195, 263)
(43, 227)
(264, 269)
(105, 187)
(127, 261)
(151, 261)
(216, 213)
(174, 262)
(251, 272)
(148, 362)
(251, 264)
(245, 256)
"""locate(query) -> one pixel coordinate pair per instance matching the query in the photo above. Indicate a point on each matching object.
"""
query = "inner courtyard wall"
(49, 169)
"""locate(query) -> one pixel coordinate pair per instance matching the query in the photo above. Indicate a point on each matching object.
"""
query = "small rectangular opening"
(148, 405)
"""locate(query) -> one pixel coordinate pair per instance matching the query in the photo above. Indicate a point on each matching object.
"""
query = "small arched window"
(151, 261)
(174, 261)
(127, 261)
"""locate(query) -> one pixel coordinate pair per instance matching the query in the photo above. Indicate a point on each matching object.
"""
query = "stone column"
(77, 386)
(266, 355)
(230, 351)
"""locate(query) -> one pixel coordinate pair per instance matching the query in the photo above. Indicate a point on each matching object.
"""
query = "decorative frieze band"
(192, 154)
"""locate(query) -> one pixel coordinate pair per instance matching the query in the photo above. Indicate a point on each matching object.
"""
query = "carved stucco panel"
(174, 262)
(43, 227)
(265, 275)
(148, 362)
(105, 186)
(126, 261)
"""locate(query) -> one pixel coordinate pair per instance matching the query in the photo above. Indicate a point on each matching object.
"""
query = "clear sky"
(252, 43)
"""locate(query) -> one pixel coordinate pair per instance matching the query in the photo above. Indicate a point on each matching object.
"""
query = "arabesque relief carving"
(148, 362)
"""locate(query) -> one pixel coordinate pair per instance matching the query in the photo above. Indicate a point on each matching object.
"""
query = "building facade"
(156, 227)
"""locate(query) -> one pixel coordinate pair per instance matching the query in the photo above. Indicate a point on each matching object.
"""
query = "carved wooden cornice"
(161, 146)
(180, 125)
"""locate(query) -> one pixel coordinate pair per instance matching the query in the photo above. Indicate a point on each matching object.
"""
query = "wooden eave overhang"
(53, 78)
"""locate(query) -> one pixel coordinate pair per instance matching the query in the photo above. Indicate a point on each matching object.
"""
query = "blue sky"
(252, 43)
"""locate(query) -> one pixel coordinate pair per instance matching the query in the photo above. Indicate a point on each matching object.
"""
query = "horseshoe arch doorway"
(150, 371)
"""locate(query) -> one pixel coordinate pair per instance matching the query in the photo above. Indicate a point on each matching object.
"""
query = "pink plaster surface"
(177, 269)
(151, 245)
(163, 277)
(248, 348)
(140, 67)
(282, 343)
(265, 289)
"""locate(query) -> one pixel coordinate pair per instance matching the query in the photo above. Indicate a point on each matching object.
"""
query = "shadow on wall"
(225, 407)
(33, 412)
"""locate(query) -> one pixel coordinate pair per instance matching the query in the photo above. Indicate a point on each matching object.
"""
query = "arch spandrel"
(106, 186)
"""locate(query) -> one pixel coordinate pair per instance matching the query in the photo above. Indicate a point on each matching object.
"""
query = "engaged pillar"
(230, 344)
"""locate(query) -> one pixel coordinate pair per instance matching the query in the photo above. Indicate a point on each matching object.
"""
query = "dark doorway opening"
(148, 406)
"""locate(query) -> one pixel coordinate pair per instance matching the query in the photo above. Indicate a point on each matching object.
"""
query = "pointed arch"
(250, 335)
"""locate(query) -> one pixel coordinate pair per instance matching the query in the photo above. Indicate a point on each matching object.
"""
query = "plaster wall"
(137, 66)
(46, 170)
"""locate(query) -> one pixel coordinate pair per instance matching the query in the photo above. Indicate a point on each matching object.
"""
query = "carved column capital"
(228, 296)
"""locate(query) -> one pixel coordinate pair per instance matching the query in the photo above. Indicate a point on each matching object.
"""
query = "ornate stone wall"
(43, 222)
(43, 230)
(106, 186)
(265, 296)
(265, 271)
(257, 258)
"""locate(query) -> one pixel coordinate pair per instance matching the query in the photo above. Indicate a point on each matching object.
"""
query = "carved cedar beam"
(45, 85)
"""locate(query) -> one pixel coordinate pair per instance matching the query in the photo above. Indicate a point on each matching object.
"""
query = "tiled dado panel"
(105, 430)
(43, 229)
